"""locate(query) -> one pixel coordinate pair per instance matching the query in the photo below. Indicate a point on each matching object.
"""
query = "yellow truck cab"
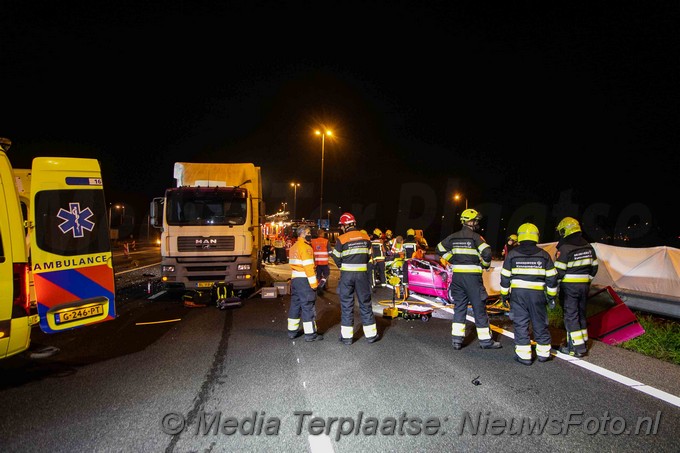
(55, 256)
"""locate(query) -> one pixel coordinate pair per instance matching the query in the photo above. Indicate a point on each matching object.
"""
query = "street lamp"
(323, 140)
(295, 185)
(121, 217)
(329, 218)
(458, 197)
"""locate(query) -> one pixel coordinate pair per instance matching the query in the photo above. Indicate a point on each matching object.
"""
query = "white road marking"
(320, 444)
(632, 383)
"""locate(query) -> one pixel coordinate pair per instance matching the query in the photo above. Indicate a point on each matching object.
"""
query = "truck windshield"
(206, 206)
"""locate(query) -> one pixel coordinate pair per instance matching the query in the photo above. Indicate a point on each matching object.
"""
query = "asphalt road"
(233, 381)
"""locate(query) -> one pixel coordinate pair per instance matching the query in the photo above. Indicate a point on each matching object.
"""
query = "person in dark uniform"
(576, 263)
(468, 254)
(352, 254)
(410, 246)
(529, 282)
(378, 258)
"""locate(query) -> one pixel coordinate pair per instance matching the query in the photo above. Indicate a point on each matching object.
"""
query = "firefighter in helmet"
(352, 254)
(529, 282)
(410, 247)
(378, 258)
(576, 263)
(469, 255)
(510, 243)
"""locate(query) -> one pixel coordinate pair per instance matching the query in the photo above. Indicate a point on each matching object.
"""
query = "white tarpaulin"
(654, 270)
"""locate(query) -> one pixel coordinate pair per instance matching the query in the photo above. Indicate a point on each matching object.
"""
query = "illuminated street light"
(458, 197)
(295, 185)
(323, 140)
(329, 218)
(122, 215)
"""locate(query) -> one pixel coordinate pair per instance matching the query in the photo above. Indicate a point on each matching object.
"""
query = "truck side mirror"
(156, 212)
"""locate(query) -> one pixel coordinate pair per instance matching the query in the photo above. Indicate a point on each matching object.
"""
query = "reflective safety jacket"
(466, 251)
(396, 248)
(528, 266)
(410, 246)
(378, 250)
(352, 251)
(575, 260)
(301, 261)
(322, 249)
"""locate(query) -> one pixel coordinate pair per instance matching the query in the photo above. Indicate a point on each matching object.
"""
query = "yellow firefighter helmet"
(469, 214)
(527, 232)
(567, 226)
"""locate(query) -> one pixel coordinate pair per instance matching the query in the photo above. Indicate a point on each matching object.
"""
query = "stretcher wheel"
(424, 318)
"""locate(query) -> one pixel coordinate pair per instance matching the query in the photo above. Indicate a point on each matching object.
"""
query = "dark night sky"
(520, 105)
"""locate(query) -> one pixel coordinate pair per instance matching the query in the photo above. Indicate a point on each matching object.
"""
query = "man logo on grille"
(75, 219)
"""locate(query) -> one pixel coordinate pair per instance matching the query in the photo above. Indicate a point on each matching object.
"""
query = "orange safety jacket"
(397, 249)
(321, 248)
(301, 260)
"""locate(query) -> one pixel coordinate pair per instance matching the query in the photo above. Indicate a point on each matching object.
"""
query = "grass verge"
(661, 339)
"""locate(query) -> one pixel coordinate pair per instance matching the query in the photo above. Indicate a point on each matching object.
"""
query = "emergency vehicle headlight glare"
(168, 269)
(243, 267)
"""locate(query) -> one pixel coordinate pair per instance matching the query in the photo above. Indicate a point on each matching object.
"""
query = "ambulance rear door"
(70, 248)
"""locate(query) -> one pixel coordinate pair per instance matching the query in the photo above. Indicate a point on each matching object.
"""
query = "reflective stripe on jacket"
(576, 260)
(410, 247)
(322, 249)
(466, 251)
(352, 251)
(528, 266)
(301, 261)
(378, 250)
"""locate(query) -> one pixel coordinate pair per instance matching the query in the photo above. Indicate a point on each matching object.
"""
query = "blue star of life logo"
(75, 219)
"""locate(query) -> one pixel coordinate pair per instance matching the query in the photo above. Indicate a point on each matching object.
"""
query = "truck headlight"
(243, 267)
(165, 269)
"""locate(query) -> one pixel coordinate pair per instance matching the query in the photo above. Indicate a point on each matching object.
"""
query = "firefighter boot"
(567, 349)
(457, 344)
(523, 361)
(570, 350)
(373, 339)
(313, 337)
(490, 344)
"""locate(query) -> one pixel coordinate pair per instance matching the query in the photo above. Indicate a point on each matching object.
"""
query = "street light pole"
(295, 185)
(457, 197)
(323, 142)
(329, 218)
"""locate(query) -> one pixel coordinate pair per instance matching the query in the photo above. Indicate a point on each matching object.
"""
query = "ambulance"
(56, 268)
